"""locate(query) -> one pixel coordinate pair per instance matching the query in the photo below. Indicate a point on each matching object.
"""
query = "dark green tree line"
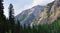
(2, 18)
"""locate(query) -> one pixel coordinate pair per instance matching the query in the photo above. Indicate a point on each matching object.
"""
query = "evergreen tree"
(2, 18)
(11, 18)
(7, 25)
(18, 27)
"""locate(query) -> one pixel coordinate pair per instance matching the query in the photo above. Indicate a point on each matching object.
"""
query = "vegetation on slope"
(46, 28)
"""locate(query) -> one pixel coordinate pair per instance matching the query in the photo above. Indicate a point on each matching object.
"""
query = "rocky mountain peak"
(49, 13)
(40, 14)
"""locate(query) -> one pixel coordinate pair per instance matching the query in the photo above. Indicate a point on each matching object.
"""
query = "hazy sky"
(20, 5)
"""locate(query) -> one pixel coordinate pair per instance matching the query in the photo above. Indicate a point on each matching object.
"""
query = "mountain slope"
(40, 14)
(27, 16)
(49, 13)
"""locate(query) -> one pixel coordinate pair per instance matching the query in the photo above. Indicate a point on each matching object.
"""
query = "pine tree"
(2, 18)
(7, 25)
(11, 18)
(18, 27)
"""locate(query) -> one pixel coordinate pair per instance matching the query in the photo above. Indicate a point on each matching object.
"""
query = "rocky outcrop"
(27, 16)
(39, 15)
(48, 14)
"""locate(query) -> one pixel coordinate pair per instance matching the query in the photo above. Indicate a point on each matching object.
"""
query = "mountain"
(27, 16)
(39, 15)
(48, 14)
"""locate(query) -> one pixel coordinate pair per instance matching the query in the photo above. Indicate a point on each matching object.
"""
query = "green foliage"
(46, 28)
(9, 26)
(11, 18)
(2, 18)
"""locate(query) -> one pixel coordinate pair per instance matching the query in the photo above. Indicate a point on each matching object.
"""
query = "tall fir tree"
(11, 18)
(2, 18)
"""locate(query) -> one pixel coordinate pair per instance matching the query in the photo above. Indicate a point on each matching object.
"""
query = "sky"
(20, 5)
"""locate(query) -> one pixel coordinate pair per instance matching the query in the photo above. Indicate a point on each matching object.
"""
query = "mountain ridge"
(28, 14)
(38, 15)
(49, 14)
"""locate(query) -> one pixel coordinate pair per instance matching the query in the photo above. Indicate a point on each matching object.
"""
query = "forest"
(8, 25)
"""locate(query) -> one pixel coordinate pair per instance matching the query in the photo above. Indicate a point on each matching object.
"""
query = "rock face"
(27, 16)
(48, 14)
(40, 14)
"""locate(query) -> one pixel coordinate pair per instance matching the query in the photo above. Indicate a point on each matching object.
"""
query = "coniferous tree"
(7, 25)
(2, 18)
(11, 18)
(18, 27)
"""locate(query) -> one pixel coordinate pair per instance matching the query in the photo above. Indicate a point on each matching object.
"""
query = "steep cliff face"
(48, 14)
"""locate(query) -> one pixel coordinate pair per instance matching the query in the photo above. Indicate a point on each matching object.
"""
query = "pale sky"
(20, 5)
